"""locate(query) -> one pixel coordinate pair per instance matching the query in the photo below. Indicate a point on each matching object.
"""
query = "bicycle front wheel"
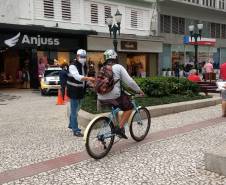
(140, 124)
(100, 138)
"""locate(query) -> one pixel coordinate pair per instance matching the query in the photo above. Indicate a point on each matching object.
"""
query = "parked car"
(50, 81)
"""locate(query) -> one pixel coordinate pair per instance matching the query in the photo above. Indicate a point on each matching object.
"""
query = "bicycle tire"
(87, 141)
(131, 129)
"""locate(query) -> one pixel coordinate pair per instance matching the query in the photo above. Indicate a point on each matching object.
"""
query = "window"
(213, 30)
(165, 24)
(48, 9)
(181, 26)
(94, 13)
(221, 4)
(66, 9)
(134, 19)
(175, 25)
(107, 12)
(193, 1)
(218, 30)
(178, 25)
(223, 31)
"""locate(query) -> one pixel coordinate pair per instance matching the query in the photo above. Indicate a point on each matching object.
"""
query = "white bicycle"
(99, 135)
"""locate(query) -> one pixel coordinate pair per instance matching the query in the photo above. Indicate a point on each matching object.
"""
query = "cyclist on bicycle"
(116, 97)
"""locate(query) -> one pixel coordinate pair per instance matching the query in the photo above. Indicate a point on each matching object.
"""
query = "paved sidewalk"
(37, 131)
(176, 160)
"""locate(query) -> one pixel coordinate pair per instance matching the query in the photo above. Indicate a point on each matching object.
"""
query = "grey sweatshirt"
(119, 72)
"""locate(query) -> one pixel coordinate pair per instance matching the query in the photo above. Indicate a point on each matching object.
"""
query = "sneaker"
(78, 134)
(120, 132)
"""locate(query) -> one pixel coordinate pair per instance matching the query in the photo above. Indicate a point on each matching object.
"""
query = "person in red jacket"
(223, 71)
(223, 92)
(193, 76)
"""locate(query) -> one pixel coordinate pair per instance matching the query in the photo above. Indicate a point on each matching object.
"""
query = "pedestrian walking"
(19, 80)
(25, 78)
(208, 67)
(63, 78)
(76, 86)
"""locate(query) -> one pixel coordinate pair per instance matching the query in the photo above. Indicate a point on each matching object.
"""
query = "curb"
(160, 110)
(215, 160)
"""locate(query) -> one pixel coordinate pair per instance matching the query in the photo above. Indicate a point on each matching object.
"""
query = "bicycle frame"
(113, 118)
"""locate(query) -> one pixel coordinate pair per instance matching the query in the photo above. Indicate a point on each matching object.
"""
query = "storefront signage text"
(25, 39)
(200, 41)
(40, 40)
(129, 45)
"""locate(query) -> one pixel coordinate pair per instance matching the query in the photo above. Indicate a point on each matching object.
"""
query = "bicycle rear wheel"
(140, 124)
(100, 138)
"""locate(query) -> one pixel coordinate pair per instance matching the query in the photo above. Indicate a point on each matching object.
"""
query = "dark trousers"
(62, 88)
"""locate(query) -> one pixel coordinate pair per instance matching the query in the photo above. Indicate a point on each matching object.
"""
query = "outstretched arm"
(128, 80)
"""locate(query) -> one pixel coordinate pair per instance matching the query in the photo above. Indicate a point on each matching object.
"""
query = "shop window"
(66, 9)
(94, 13)
(48, 8)
(134, 19)
(107, 12)
(48, 58)
(136, 65)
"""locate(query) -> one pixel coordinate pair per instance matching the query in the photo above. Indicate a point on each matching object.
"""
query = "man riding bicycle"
(116, 97)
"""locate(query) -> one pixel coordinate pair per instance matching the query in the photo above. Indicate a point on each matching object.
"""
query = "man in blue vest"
(76, 86)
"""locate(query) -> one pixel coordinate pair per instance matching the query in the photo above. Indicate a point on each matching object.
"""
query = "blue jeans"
(75, 106)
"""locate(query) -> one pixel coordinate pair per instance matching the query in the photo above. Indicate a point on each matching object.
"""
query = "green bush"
(163, 86)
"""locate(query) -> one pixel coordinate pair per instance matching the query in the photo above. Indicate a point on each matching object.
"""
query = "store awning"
(43, 30)
(200, 41)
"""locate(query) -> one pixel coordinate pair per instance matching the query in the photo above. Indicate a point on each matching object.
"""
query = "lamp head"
(200, 26)
(191, 28)
(109, 20)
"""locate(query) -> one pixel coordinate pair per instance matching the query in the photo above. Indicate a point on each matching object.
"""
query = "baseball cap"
(81, 52)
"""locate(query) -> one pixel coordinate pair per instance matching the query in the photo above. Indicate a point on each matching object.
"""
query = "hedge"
(164, 86)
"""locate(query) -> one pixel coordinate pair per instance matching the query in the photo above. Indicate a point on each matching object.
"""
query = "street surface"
(34, 129)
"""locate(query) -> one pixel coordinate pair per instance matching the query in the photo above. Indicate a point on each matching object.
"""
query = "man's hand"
(91, 79)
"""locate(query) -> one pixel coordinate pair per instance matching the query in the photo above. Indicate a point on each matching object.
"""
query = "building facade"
(175, 16)
(50, 31)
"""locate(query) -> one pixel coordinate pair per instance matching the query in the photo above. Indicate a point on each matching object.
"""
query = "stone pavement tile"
(34, 129)
(77, 157)
(177, 160)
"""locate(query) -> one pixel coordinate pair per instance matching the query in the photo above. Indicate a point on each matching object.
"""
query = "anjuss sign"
(37, 41)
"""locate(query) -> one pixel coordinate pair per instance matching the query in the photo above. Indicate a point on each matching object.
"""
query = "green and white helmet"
(110, 54)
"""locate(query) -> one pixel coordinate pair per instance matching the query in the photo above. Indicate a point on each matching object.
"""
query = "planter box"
(84, 117)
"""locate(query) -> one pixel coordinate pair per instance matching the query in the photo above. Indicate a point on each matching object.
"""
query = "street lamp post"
(114, 28)
(196, 35)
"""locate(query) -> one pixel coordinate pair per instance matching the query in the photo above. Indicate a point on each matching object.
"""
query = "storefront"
(139, 57)
(31, 48)
(184, 54)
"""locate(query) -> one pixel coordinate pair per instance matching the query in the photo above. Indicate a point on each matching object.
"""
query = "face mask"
(82, 60)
